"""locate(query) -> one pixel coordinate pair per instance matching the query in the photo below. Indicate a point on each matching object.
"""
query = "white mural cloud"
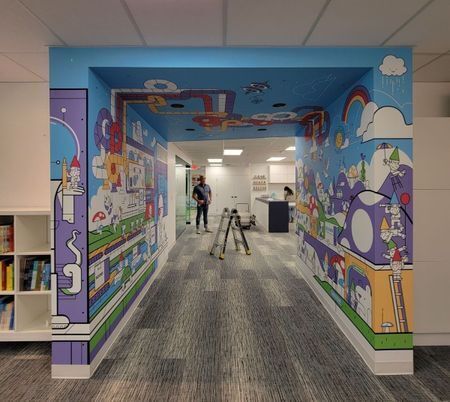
(366, 117)
(386, 122)
(392, 66)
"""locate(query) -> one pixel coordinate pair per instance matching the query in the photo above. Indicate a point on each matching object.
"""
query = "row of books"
(6, 238)
(6, 275)
(6, 313)
(36, 274)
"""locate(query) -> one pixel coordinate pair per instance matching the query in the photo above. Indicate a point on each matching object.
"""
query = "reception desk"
(271, 214)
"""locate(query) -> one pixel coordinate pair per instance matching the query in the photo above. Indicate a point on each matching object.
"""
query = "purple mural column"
(70, 319)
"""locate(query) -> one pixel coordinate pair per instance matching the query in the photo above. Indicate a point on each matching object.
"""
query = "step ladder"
(399, 304)
(232, 220)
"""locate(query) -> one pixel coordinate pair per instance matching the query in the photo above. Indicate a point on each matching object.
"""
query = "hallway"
(247, 328)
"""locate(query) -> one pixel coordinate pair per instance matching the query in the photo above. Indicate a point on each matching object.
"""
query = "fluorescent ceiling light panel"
(290, 149)
(232, 152)
(215, 164)
(212, 160)
(179, 165)
(276, 158)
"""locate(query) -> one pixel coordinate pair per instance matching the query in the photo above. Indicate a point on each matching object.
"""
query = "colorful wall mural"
(109, 181)
(351, 112)
(354, 202)
(69, 170)
(198, 104)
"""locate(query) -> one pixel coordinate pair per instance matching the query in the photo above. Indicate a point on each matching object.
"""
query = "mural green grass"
(97, 240)
(101, 333)
(378, 341)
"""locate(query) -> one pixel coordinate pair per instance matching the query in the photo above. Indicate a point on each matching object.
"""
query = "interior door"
(229, 190)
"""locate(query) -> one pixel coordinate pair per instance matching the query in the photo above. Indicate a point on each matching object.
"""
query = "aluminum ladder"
(234, 223)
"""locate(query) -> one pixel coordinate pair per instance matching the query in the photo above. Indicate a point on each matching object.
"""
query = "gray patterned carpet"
(244, 329)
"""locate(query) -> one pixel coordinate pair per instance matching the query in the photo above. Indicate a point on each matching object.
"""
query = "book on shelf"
(6, 275)
(36, 274)
(6, 313)
(6, 238)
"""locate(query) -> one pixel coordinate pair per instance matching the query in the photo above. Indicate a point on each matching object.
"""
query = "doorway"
(182, 178)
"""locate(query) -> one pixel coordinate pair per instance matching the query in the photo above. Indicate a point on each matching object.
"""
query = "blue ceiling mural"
(225, 103)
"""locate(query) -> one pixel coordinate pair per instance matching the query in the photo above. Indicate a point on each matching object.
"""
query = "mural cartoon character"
(397, 264)
(394, 252)
(74, 173)
(393, 208)
(394, 163)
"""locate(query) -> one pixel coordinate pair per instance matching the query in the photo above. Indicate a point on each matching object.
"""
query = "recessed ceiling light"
(290, 148)
(217, 160)
(179, 165)
(177, 105)
(279, 104)
(215, 164)
(232, 152)
(262, 129)
(190, 129)
(275, 158)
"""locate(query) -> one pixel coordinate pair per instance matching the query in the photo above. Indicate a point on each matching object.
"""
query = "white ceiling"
(256, 150)
(28, 27)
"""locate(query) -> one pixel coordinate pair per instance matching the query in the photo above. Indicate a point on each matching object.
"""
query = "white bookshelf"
(32, 308)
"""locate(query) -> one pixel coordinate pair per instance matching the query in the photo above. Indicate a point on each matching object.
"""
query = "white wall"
(431, 99)
(431, 226)
(173, 151)
(24, 145)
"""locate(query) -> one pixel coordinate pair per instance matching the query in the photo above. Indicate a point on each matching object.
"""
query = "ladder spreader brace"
(234, 223)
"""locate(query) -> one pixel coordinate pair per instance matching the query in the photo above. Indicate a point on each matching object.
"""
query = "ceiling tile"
(428, 31)
(419, 59)
(268, 22)
(21, 32)
(12, 72)
(360, 23)
(179, 23)
(35, 62)
(87, 22)
(437, 71)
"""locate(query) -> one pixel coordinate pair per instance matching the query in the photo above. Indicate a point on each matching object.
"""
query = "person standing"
(289, 196)
(202, 194)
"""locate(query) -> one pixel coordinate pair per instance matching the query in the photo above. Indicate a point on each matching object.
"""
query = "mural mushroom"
(98, 217)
